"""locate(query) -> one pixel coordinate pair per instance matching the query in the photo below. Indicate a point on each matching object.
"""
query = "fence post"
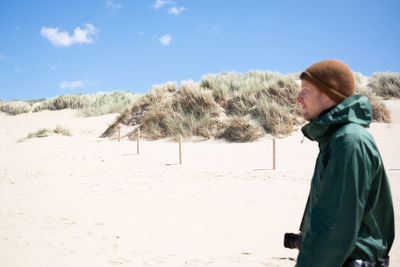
(138, 140)
(180, 149)
(273, 154)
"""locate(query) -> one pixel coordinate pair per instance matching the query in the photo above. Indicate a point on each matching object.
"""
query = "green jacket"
(349, 214)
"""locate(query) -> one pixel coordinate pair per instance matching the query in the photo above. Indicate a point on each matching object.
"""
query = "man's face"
(312, 101)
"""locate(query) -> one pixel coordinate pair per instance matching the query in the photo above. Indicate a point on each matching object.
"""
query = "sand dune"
(86, 201)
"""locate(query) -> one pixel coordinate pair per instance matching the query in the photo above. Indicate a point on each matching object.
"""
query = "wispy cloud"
(111, 4)
(176, 10)
(63, 38)
(17, 29)
(54, 67)
(17, 69)
(114, 6)
(159, 3)
(165, 39)
(71, 85)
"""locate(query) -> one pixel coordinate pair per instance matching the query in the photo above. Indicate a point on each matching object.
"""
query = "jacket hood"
(354, 109)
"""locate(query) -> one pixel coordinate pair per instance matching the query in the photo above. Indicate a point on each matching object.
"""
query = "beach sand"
(87, 201)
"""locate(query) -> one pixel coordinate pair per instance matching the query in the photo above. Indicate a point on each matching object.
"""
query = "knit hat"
(332, 77)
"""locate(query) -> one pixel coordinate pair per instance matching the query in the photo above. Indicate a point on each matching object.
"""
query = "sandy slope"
(85, 201)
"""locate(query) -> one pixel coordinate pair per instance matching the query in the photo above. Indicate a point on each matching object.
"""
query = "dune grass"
(379, 111)
(274, 118)
(62, 102)
(14, 107)
(256, 103)
(107, 103)
(39, 134)
(241, 129)
(385, 84)
(43, 132)
(213, 107)
(88, 105)
(168, 112)
(62, 130)
(252, 105)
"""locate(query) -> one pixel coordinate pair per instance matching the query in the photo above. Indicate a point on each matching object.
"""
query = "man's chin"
(307, 116)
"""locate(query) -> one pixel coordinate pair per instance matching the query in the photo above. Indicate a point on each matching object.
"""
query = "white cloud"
(140, 33)
(54, 67)
(111, 4)
(159, 3)
(80, 36)
(176, 10)
(165, 39)
(17, 29)
(17, 69)
(71, 85)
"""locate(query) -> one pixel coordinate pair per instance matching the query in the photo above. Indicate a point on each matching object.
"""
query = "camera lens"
(292, 240)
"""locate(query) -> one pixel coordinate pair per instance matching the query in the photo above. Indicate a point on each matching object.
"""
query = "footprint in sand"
(67, 221)
(119, 261)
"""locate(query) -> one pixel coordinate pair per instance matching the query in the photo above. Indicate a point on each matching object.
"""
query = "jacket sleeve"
(339, 198)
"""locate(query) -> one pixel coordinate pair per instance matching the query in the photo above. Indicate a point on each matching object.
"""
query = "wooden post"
(180, 149)
(138, 139)
(273, 154)
(119, 133)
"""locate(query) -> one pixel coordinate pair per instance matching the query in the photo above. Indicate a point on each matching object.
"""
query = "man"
(348, 220)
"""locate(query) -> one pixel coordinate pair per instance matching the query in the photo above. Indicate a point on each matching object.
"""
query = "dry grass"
(62, 102)
(157, 123)
(107, 103)
(385, 84)
(189, 125)
(213, 107)
(229, 85)
(379, 111)
(241, 105)
(216, 106)
(15, 107)
(62, 130)
(275, 119)
(39, 133)
(166, 112)
(360, 80)
(191, 99)
(88, 105)
(43, 132)
(241, 129)
(223, 103)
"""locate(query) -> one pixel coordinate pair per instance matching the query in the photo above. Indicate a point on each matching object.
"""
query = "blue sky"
(49, 48)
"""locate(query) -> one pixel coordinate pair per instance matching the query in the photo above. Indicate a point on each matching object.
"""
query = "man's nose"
(299, 97)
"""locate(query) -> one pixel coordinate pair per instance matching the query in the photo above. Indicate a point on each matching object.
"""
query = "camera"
(292, 240)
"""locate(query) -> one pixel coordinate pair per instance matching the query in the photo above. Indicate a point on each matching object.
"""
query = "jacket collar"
(354, 109)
